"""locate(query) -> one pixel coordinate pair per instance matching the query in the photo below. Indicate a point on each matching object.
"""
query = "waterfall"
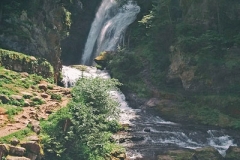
(108, 28)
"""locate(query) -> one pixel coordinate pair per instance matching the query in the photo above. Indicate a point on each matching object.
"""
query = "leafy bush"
(56, 96)
(83, 129)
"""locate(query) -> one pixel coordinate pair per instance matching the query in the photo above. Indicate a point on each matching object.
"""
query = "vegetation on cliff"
(186, 51)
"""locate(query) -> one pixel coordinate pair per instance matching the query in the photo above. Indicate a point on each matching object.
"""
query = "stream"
(148, 134)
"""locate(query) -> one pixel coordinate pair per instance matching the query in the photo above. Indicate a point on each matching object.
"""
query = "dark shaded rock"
(147, 130)
(32, 146)
(44, 95)
(233, 153)
(17, 151)
(4, 149)
(4, 99)
(14, 141)
(137, 138)
(42, 87)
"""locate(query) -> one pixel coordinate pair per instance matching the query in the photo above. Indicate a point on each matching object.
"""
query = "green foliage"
(19, 135)
(83, 129)
(56, 96)
(37, 101)
(11, 110)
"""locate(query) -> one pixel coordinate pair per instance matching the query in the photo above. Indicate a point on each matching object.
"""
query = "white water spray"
(108, 27)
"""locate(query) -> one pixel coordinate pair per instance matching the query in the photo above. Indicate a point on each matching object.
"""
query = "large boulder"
(32, 146)
(4, 150)
(17, 151)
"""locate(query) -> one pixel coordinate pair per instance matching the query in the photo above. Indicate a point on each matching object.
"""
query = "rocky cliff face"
(36, 27)
(82, 17)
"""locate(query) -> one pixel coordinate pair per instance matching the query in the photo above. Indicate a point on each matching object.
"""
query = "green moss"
(20, 62)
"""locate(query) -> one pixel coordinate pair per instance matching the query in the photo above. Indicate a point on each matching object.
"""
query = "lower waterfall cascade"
(149, 134)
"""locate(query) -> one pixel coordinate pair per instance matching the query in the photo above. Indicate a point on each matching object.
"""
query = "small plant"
(11, 111)
(37, 101)
(56, 96)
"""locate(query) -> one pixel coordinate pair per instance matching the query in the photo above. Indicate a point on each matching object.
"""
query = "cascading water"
(108, 27)
(148, 133)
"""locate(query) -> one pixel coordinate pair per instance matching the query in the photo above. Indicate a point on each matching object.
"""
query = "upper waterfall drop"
(108, 27)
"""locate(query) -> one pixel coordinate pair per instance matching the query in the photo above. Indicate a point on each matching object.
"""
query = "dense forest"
(186, 51)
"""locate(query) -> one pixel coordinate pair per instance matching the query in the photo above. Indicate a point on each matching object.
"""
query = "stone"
(33, 138)
(44, 95)
(16, 97)
(4, 99)
(24, 74)
(233, 153)
(17, 158)
(42, 87)
(26, 103)
(4, 150)
(14, 141)
(17, 151)
(36, 127)
(31, 146)
(32, 156)
(147, 130)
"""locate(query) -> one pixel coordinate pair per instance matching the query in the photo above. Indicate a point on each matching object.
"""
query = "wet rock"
(14, 141)
(137, 138)
(207, 153)
(17, 151)
(147, 130)
(233, 153)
